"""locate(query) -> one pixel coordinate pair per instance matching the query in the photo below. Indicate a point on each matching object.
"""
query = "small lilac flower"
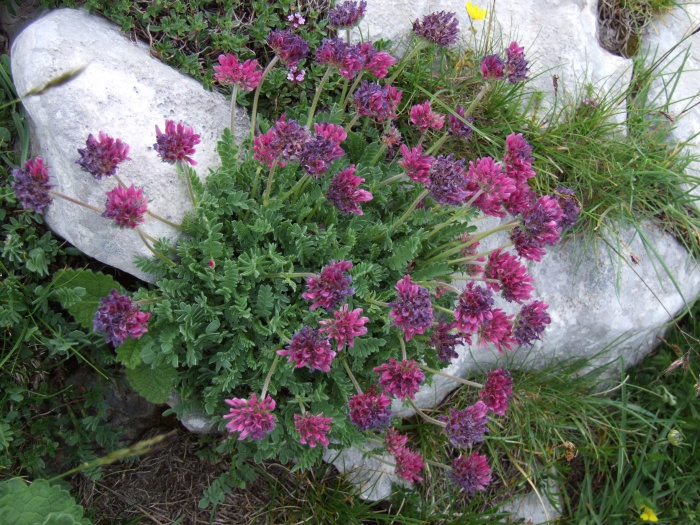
(569, 207)
(447, 181)
(345, 57)
(474, 308)
(400, 380)
(468, 426)
(408, 464)
(457, 127)
(347, 14)
(377, 102)
(118, 318)
(245, 75)
(518, 159)
(344, 192)
(177, 143)
(126, 206)
(370, 410)
(497, 391)
(438, 28)
(513, 281)
(330, 287)
(296, 20)
(472, 472)
(489, 185)
(394, 441)
(312, 429)
(296, 75)
(345, 327)
(376, 62)
(31, 185)
(425, 118)
(516, 65)
(412, 311)
(101, 158)
(251, 417)
(309, 347)
(289, 47)
(531, 322)
(492, 67)
(498, 330)
(445, 342)
(416, 164)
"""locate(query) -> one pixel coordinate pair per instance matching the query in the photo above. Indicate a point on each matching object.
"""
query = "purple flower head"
(296, 75)
(447, 181)
(289, 47)
(309, 347)
(245, 75)
(498, 330)
(285, 141)
(344, 192)
(516, 65)
(31, 185)
(539, 227)
(489, 185)
(531, 323)
(412, 311)
(527, 247)
(474, 308)
(468, 426)
(520, 200)
(438, 28)
(318, 154)
(408, 464)
(377, 102)
(472, 472)
(492, 67)
(400, 380)
(177, 143)
(345, 327)
(126, 206)
(416, 164)
(394, 441)
(518, 158)
(497, 391)
(445, 342)
(296, 20)
(423, 116)
(513, 281)
(457, 127)
(102, 157)
(312, 429)
(347, 14)
(392, 138)
(569, 207)
(336, 52)
(376, 62)
(118, 318)
(330, 287)
(370, 410)
(251, 417)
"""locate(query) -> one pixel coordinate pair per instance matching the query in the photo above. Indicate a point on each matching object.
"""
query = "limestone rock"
(124, 92)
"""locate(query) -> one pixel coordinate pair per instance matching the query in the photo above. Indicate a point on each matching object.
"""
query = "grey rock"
(124, 92)
(193, 419)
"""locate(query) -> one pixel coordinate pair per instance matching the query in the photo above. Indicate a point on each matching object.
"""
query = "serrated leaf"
(129, 352)
(153, 384)
(22, 504)
(96, 285)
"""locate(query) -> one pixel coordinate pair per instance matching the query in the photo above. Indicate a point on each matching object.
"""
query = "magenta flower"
(516, 65)
(518, 159)
(245, 75)
(520, 200)
(445, 342)
(448, 181)
(416, 164)
(330, 287)
(341, 55)
(531, 322)
(102, 157)
(376, 62)
(486, 178)
(177, 143)
(569, 207)
(438, 28)
(126, 206)
(370, 410)
(345, 327)
(539, 227)
(412, 311)
(296, 75)
(492, 67)
(497, 391)
(347, 14)
(119, 318)
(408, 464)
(344, 192)
(468, 426)
(394, 441)
(285, 141)
(474, 308)
(472, 472)
(309, 347)
(377, 102)
(296, 20)
(425, 118)
(513, 281)
(312, 429)
(31, 185)
(333, 132)
(400, 380)
(459, 128)
(289, 47)
(498, 330)
(251, 418)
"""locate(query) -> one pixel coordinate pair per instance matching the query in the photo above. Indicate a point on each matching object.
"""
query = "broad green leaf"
(129, 353)
(38, 503)
(153, 384)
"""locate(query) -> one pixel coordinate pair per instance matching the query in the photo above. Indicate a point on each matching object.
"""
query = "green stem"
(507, 226)
(402, 63)
(388, 181)
(164, 220)
(425, 416)
(233, 111)
(352, 123)
(76, 201)
(404, 355)
(412, 207)
(351, 375)
(449, 221)
(186, 171)
(358, 78)
(256, 181)
(296, 187)
(438, 144)
(269, 376)
(319, 88)
(119, 181)
(154, 251)
(479, 96)
(268, 188)
(443, 309)
(374, 301)
(257, 94)
(291, 275)
(458, 379)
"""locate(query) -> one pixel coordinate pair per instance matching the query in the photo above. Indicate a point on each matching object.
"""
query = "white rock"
(124, 92)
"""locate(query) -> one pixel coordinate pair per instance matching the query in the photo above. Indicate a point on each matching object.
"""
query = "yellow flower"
(647, 514)
(475, 12)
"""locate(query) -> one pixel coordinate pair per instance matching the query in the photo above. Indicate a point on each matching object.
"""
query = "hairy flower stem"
(435, 284)
(347, 35)
(482, 254)
(396, 177)
(348, 96)
(410, 209)
(350, 374)
(296, 188)
(233, 111)
(449, 376)
(268, 188)
(254, 116)
(445, 224)
(375, 302)
(319, 88)
(164, 220)
(291, 275)
(352, 123)
(154, 251)
(438, 144)
(442, 255)
(425, 416)
(185, 170)
(269, 375)
(402, 63)
(443, 309)
(477, 99)
(404, 355)
(256, 182)
(76, 201)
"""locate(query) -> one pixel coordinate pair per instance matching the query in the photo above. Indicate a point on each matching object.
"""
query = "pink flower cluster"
(126, 206)
(246, 75)
(309, 347)
(31, 185)
(312, 429)
(412, 311)
(101, 157)
(344, 192)
(400, 379)
(408, 463)
(119, 318)
(425, 118)
(177, 143)
(330, 287)
(251, 417)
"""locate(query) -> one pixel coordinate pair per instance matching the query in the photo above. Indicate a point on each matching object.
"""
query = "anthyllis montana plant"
(327, 267)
